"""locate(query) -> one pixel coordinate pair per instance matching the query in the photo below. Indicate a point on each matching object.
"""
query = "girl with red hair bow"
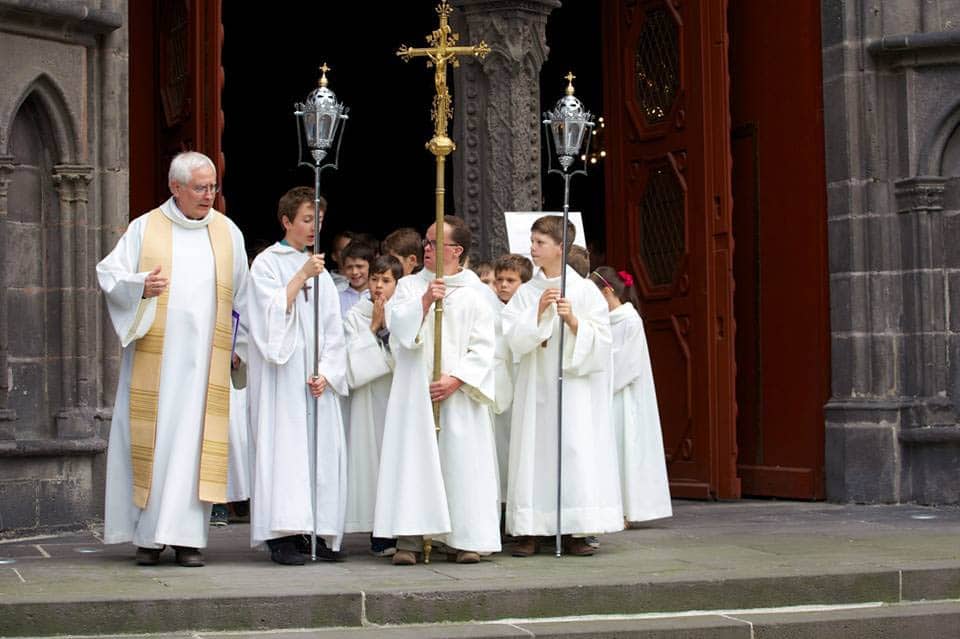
(643, 472)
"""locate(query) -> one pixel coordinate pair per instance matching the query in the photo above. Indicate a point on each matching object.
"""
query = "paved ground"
(709, 556)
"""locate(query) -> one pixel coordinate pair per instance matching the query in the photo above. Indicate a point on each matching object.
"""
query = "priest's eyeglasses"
(206, 188)
(433, 244)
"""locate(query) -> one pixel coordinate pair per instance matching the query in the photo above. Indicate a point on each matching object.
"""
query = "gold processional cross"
(443, 50)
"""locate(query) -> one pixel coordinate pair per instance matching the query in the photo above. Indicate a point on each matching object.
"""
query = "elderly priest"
(173, 284)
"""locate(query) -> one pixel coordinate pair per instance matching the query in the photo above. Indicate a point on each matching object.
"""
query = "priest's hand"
(313, 266)
(377, 321)
(446, 386)
(550, 296)
(565, 311)
(435, 291)
(317, 385)
(154, 284)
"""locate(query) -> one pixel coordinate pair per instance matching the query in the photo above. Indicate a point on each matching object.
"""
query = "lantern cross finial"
(570, 78)
(443, 49)
(323, 74)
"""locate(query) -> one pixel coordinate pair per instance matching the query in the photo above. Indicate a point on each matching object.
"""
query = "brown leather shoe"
(404, 558)
(468, 557)
(526, 547)
(188, 557)
(149, 556)
(577, 546)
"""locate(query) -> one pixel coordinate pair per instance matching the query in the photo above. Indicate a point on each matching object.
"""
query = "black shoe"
(382, 546)
(323, 551)
(283, 551)
(149, 556)
(188, 557)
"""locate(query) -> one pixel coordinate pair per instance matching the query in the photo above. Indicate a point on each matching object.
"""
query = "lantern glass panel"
(324, 130)
(557, 128)
(310, 127)
(574, 137)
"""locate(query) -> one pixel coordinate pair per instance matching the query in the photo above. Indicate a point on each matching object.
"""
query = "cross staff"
(443, 49)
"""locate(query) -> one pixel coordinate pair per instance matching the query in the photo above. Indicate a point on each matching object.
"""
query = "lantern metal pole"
(317, 223)
(566, 158)
(319, 152)
(563, 294)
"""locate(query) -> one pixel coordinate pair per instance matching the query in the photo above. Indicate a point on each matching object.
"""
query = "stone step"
(709, 558)
(85, 616)
(935, 620)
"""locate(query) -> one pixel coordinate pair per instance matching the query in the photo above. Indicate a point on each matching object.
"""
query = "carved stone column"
(497, 116)
(7, 415)
(78, 385)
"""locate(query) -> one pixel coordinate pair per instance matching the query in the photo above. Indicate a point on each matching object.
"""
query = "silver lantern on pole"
(567, 127)
(320, 118)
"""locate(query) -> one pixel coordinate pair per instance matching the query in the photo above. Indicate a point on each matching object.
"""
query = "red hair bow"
(626, 277)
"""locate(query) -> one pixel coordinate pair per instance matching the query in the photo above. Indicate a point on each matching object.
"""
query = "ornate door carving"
(668, 221)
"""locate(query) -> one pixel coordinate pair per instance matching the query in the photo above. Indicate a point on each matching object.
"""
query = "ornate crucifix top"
(443, 49)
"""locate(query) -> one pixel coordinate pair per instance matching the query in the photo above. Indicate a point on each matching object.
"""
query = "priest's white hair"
(184, 164)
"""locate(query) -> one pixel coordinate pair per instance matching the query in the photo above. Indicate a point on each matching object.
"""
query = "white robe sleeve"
(589, 350)
(272, 329)
(367, 359)
(404, 316)
(475, 367)
(333, 353)
(122, 286)
(519, 322)
(241, 273)
(629, 356)
(502, 376)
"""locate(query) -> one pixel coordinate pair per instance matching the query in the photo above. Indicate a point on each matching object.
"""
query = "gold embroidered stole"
(157, 249)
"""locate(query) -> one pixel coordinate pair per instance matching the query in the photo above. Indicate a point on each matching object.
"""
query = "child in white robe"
(440, 486)
(643, 471)
(369, 375)
(289, 407)
(590, 483)
(510, 271)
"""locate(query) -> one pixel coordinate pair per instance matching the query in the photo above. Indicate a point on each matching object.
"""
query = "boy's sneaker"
(592, 540)
(383, 547)
(219, 515)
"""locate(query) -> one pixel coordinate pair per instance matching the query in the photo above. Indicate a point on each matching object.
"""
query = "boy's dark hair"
(579, 260)
(482, 267)
(357, 250)
(386, 263)
(459, 234)
(552, 227)
(514, 262)
(370, 240)
(343, 234)
(403, 242)
(291, 201)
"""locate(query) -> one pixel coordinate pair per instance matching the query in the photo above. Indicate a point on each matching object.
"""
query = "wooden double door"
(176, 78)
(716, 203)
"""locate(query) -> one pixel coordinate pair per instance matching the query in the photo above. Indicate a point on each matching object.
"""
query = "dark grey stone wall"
(892, 107)
(63, 196)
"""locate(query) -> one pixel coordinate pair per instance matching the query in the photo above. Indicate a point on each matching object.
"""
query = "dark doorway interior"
(574, 37)
(271, 60)
(386, 177)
